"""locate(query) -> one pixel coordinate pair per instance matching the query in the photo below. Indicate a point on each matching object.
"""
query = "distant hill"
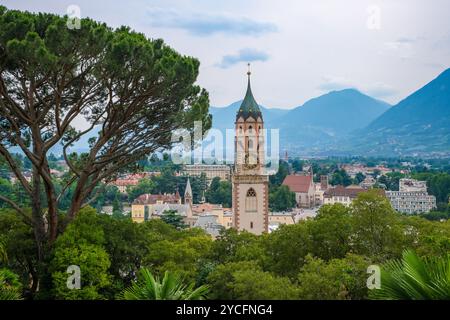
(348, 122)
(323, 120)
(417, 125)
(337, 112)
(318, 122)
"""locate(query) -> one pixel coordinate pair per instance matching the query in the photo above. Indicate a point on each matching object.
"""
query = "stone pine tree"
(173, 218)
(132, 92)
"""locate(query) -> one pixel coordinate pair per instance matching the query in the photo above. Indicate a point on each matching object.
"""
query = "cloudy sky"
(298, 49)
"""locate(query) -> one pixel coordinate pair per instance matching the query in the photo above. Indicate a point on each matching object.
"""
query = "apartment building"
(412, 197)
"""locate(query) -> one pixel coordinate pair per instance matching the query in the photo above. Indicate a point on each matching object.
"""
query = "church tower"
(250, 183)
(188, 193)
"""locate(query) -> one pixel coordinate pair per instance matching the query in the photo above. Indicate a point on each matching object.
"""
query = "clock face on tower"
(247, 165)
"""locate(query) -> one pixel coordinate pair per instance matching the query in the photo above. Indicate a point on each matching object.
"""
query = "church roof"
(299, 183)
(249, 106)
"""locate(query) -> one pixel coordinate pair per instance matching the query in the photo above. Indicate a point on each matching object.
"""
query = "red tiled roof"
(142, 175)
(153, 198)
(342, 191)
(298, 183)
(133, 179)
(350, 191)
(125, 182)
(205, 207)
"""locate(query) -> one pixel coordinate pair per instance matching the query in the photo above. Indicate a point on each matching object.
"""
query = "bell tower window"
(250, 201)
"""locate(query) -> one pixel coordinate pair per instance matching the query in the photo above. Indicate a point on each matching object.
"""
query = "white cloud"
(306, 40)
(205, 24)
(243, 55)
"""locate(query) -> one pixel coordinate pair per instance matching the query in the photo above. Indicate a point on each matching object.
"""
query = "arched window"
(250, 201)
(240, 129)
(250, 144)
(250, 129)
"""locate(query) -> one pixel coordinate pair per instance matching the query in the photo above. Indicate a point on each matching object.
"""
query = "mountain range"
(348, 122)
(417, 125)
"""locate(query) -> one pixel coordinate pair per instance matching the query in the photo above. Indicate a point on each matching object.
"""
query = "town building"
(209, 223)
(303, 187)
(412, 185)
(411, 202)
(342, 195)
(368, 182)
(224, 215)
(228, 217)
(281, 218)
(211, 171)
(124, 184)
(131, 180)
(28, 175)
(250, 183)
(319, 190)
(276, 219)
(149, 206)
(412, 197)
(355, 168)
(304, 214)
(210, 217)
(324, 185)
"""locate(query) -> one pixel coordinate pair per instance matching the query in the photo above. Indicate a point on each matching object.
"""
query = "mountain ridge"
(417, 125)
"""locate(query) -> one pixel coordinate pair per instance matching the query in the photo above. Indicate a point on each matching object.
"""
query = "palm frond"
(414, 278)
(170, 287)
(10, 287)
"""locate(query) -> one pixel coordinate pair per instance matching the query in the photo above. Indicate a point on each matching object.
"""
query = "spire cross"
(249, 72)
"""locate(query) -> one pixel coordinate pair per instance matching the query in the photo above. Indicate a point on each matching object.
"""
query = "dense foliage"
(322, 258)
(170, 287)
(415, 278)
(131, 91)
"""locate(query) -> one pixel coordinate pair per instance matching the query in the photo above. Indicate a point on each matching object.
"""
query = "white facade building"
(211, 171)
(412, 197)
(411, 202)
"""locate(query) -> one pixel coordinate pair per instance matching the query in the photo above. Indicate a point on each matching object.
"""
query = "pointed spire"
(249, 106)
(188, 191)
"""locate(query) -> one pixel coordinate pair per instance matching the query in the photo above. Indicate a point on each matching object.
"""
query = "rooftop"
(298, 183)
(154, 198)
(341, 191)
